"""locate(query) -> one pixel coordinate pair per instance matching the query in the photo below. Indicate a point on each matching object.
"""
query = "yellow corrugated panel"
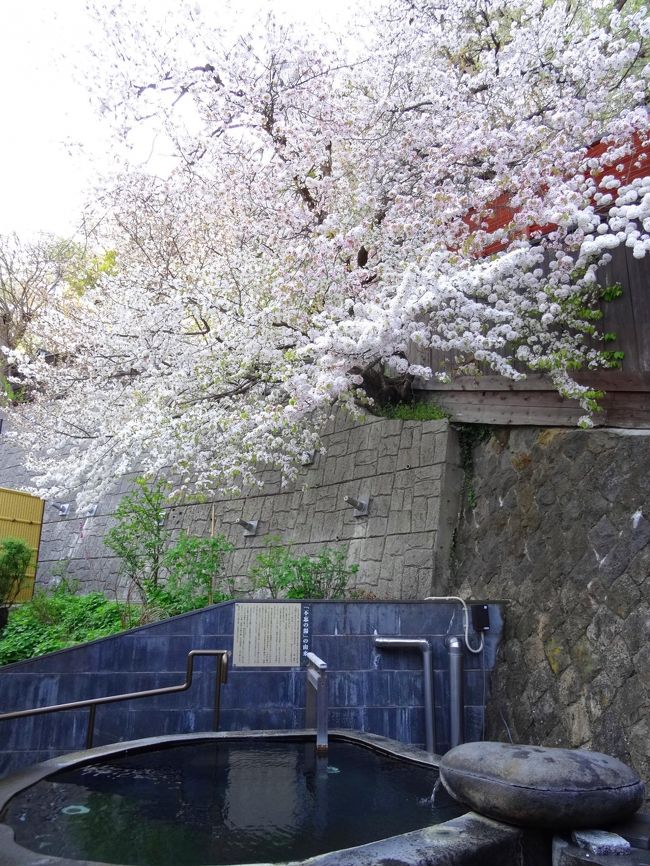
(21, 516)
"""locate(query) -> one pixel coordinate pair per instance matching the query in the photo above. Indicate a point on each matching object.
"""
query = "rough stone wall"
(561, 528)
(401, 547)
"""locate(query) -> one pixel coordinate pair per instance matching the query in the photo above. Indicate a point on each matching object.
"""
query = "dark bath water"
(225, 802)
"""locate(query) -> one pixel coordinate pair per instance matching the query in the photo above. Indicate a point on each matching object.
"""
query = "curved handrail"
(93, 703)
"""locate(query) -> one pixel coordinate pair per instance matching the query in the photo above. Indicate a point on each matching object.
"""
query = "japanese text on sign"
(267, 635)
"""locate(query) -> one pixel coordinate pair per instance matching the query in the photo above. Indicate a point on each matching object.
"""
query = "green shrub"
(324, 575)
(139, 537)
(15, 557)
(60, 618)
(193, 580)
(413, 412)
(199, 562)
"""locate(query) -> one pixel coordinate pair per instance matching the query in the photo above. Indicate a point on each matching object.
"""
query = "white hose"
(465, 618)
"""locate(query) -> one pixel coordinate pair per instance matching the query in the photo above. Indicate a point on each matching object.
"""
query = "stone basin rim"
(467, 829)
(20, 780)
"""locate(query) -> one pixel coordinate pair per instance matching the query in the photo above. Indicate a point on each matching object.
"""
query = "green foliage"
(613, 359)
(423, 411)
(197, 560)
(8, 394)
(470, 435)
(324, 575)
(194, 567)
(139, 536)
(15, 557)
(610, 293)
(80, 270)
(59, 619)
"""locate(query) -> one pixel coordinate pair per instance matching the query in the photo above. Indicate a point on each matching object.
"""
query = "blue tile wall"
(379, 691)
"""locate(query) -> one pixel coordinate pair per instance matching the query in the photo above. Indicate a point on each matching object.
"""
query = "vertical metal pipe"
(321, 713)
(221, 676)
(90, 732)
(310, 706)
(317, 709)
(456, 704)
(429, 714)
(427, 672)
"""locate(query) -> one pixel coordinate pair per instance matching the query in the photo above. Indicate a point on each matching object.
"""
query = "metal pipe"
(427, 670)
(222, 677)
(456, 702)
(90, 731)
(317, 709)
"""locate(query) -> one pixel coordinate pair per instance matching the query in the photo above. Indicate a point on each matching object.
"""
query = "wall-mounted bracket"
(361, 506)
(250, 526)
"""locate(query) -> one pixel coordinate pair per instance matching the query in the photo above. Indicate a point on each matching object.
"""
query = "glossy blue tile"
(252, 690)
(345, 653)
(327, 618)
(378, 690)
(411, 725)
(409, 688)
(346, 688)
(398, 659)
(430, 618)
(474, 724)
(477, 687)
(66, 730)
(356, 618)
(10, 762)
(378, 720)
(346, 717)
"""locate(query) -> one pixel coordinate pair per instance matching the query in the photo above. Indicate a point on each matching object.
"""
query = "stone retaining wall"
(402, 547)
(561, 528)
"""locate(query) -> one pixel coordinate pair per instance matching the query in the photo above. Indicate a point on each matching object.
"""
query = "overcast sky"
(44, 174)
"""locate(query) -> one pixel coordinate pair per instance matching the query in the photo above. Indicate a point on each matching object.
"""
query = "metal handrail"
(317, 699)
(93, 703)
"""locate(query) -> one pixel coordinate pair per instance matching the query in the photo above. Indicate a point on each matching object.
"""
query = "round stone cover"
(536, 786)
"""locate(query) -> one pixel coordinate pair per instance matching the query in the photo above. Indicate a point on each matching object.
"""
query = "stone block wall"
(401, 548)
(561, 529)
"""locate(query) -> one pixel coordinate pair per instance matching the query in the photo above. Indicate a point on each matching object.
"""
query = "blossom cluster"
(315, 233)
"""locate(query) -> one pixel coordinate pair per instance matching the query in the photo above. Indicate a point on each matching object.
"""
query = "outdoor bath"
(220, 799)
(375, 782)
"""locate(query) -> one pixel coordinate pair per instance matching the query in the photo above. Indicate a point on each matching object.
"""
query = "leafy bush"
(139, 536)
(199, 562)
(185, 577)
(324, 575)
(194, 568)
(15, 557)
(424, 411)
(60, 618)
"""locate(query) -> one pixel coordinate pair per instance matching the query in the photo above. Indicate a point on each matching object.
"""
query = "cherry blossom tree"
(326, 214)
(30, 272)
